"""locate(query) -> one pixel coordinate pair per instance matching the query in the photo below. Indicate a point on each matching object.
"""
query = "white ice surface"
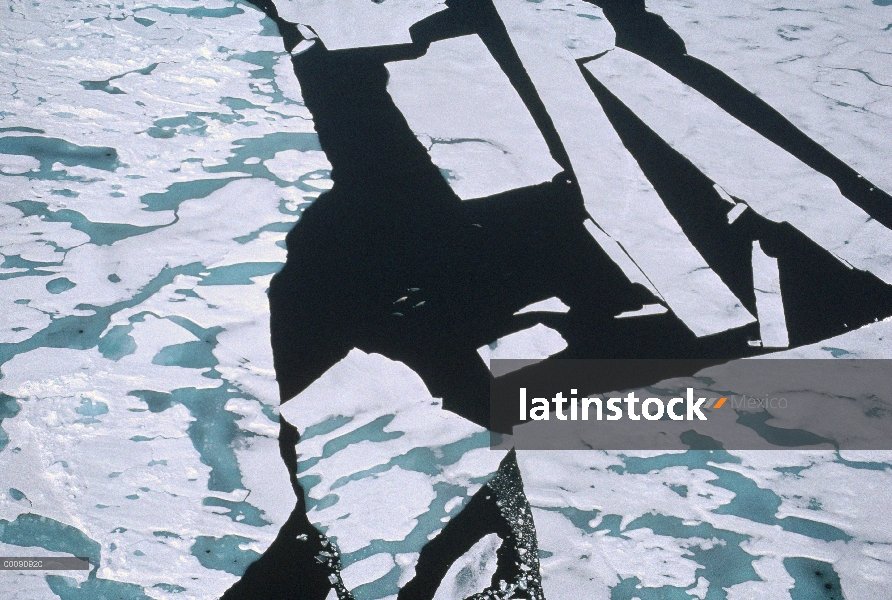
(206, 100)
(535, 343)
(290, 165)
(384, 501)
(473, 122)
(17, 164)
(823, 64)
(771, 181)
(367, 570)
(203, 64)
(359, 23)
(646, 310)
(769, 302)
(471, 572)
(553, 304)
(578, 27)
(617, 195)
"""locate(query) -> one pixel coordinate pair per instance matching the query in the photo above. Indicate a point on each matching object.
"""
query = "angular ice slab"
(472, 572)
(359, 23)
(769, 303)
(771, 181)
(617, 195)
(578, 26)
(644, 311)
(823, 65)
(475, 125)
(367, 570)
(553, 304)
(536, 343)
(355, 421)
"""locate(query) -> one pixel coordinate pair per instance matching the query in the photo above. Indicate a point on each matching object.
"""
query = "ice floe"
(769, 302)
(767, 178)
(617, 195)
(474, 124)
(357, 23)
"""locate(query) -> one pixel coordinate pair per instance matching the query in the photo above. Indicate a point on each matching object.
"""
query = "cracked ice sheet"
(471, 572)
(220, 99)
(575, 496)
(823, 64)
(769, 302)
(117, 477)
(377, 410)
(592, 553)
(359, 23)
(617, 195)
(771, 181)
(181, 111)
(475, 126)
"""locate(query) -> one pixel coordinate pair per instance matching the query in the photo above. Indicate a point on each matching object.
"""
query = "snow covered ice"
(153, 157)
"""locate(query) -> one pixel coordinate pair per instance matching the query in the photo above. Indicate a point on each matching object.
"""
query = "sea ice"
(553, 304)
(769, 303)
(535, 343)
(819, 63)
(358, 23)
(767, 178)
(476, 127)
(617, 195)
(472, 572)
(356, 421)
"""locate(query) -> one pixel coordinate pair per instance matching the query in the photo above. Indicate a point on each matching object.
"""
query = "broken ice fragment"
(616, 192)
(553, 304)
(457, 98)
(736, 212)
(769, 303)
(357, 23)
(536, 343)
(771, 181)
(647, 309)
(472, 572)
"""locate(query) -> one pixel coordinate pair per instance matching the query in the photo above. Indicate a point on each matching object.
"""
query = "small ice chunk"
(306, 32)
(536, 343)
(453, 503)
(367, 570)
(553, 304)
(358, 23)
(302, 47)
(647, 309)
(736, 212)
(769, 303)
(472, 572)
